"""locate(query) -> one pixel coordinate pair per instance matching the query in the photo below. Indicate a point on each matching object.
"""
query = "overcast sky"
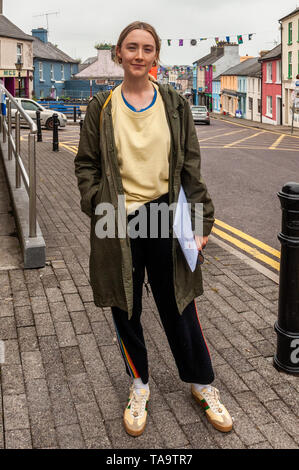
(82, 23)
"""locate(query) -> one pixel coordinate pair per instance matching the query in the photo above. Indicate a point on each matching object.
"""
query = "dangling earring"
(120, 60)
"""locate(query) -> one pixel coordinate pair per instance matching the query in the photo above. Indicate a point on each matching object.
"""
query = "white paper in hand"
(182, 227)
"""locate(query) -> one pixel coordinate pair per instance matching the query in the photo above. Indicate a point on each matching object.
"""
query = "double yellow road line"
(256, 250)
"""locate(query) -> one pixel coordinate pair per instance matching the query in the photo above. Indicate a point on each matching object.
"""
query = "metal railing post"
(9, 130)
(18, 147)
(32, 184)
(55, 133)
(3, 129)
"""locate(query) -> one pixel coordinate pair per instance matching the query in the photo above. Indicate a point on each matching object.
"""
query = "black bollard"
(39, 127)
(55, 133)
(287, 326)
(81, 124)
(75, 114)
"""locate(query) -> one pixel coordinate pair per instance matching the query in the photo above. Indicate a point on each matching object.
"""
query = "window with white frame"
(41, 71)
(269, 72)
(52, 72)
(19, 52)
(72, 71)
(278, 71)
(62, 72)
(269, 106)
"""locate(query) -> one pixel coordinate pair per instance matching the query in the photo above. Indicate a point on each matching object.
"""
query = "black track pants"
(183, 331)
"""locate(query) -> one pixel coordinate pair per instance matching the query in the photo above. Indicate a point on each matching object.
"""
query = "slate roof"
(209, 59)
(273, 54)
(247, 68)
(47, 51)
(103, 68)
(9, 30)
(290, 14)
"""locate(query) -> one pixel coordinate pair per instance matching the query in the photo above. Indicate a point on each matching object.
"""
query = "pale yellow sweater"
(143, 145)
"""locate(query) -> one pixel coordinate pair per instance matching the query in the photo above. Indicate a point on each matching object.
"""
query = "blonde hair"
(145, 27)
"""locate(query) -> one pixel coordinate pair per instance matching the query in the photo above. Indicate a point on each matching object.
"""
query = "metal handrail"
(14, 148)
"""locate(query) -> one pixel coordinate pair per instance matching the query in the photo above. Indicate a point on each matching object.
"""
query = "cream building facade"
(290, 64)
(15, 47)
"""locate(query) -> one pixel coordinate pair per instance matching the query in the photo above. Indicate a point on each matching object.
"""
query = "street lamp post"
(19, 65)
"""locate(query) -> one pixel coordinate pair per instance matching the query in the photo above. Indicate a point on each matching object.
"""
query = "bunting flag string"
(195, 42)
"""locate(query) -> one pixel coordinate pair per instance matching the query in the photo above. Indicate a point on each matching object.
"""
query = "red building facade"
(271, 86)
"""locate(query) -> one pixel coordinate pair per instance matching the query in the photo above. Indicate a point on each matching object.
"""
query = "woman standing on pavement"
(139, 141)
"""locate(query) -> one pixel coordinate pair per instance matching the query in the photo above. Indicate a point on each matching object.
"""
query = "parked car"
(46, 115)
(200, 114)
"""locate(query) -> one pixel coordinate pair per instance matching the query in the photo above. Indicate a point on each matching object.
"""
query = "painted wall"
(216, 96)
(229, 103)
(271, 89)
(253, 92)
(43, 88)
(287, 85)
(8, 59)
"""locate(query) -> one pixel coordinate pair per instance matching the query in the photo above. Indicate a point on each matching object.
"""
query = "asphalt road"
(244, 168)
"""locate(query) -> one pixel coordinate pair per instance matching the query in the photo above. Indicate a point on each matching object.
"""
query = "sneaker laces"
(213, 398)
(138, 403)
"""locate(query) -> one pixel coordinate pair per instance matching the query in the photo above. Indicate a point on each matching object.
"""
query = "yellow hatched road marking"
(252, 127)
(250, 239)
(220, 135)
(245, 138)
(248, 148)
(68, 147)
(243, 246)
(277, 141)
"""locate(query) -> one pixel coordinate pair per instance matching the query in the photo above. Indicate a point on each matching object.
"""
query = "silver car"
(46, 115)
(200, 114)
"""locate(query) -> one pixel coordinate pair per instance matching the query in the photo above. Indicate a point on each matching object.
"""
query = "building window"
(72, 70)
(290, 33)
(290, 74)
(278, 71)
(269, 72)
(258, 85)
(41, 71)
(250, 102)
(52, 72)
(19, 52)
(269, 106)
(259, 106)
(62, 72)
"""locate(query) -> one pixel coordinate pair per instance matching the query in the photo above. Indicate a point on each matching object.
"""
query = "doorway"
(278, 110)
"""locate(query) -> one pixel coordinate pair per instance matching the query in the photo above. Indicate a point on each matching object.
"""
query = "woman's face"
(138, 52)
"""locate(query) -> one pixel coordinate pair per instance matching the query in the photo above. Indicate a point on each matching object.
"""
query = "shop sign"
(12, 73)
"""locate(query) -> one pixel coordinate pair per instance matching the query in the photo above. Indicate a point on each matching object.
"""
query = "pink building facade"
(271, 87)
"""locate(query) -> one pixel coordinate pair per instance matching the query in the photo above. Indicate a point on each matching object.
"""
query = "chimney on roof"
(40, 33)
(263, 53)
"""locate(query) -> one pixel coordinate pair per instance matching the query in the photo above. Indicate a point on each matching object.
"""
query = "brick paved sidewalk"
(63, 383)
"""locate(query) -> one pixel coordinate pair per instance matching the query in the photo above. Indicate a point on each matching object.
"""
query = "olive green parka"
(99, 180)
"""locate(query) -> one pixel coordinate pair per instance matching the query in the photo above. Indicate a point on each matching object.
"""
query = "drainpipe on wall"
(281, 112)
(261, 118)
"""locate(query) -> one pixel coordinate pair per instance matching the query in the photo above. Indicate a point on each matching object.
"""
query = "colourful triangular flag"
(181, 42)
(227, 38)
(216, 40)
(169, 42)
(250, 37)
(240, 39)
